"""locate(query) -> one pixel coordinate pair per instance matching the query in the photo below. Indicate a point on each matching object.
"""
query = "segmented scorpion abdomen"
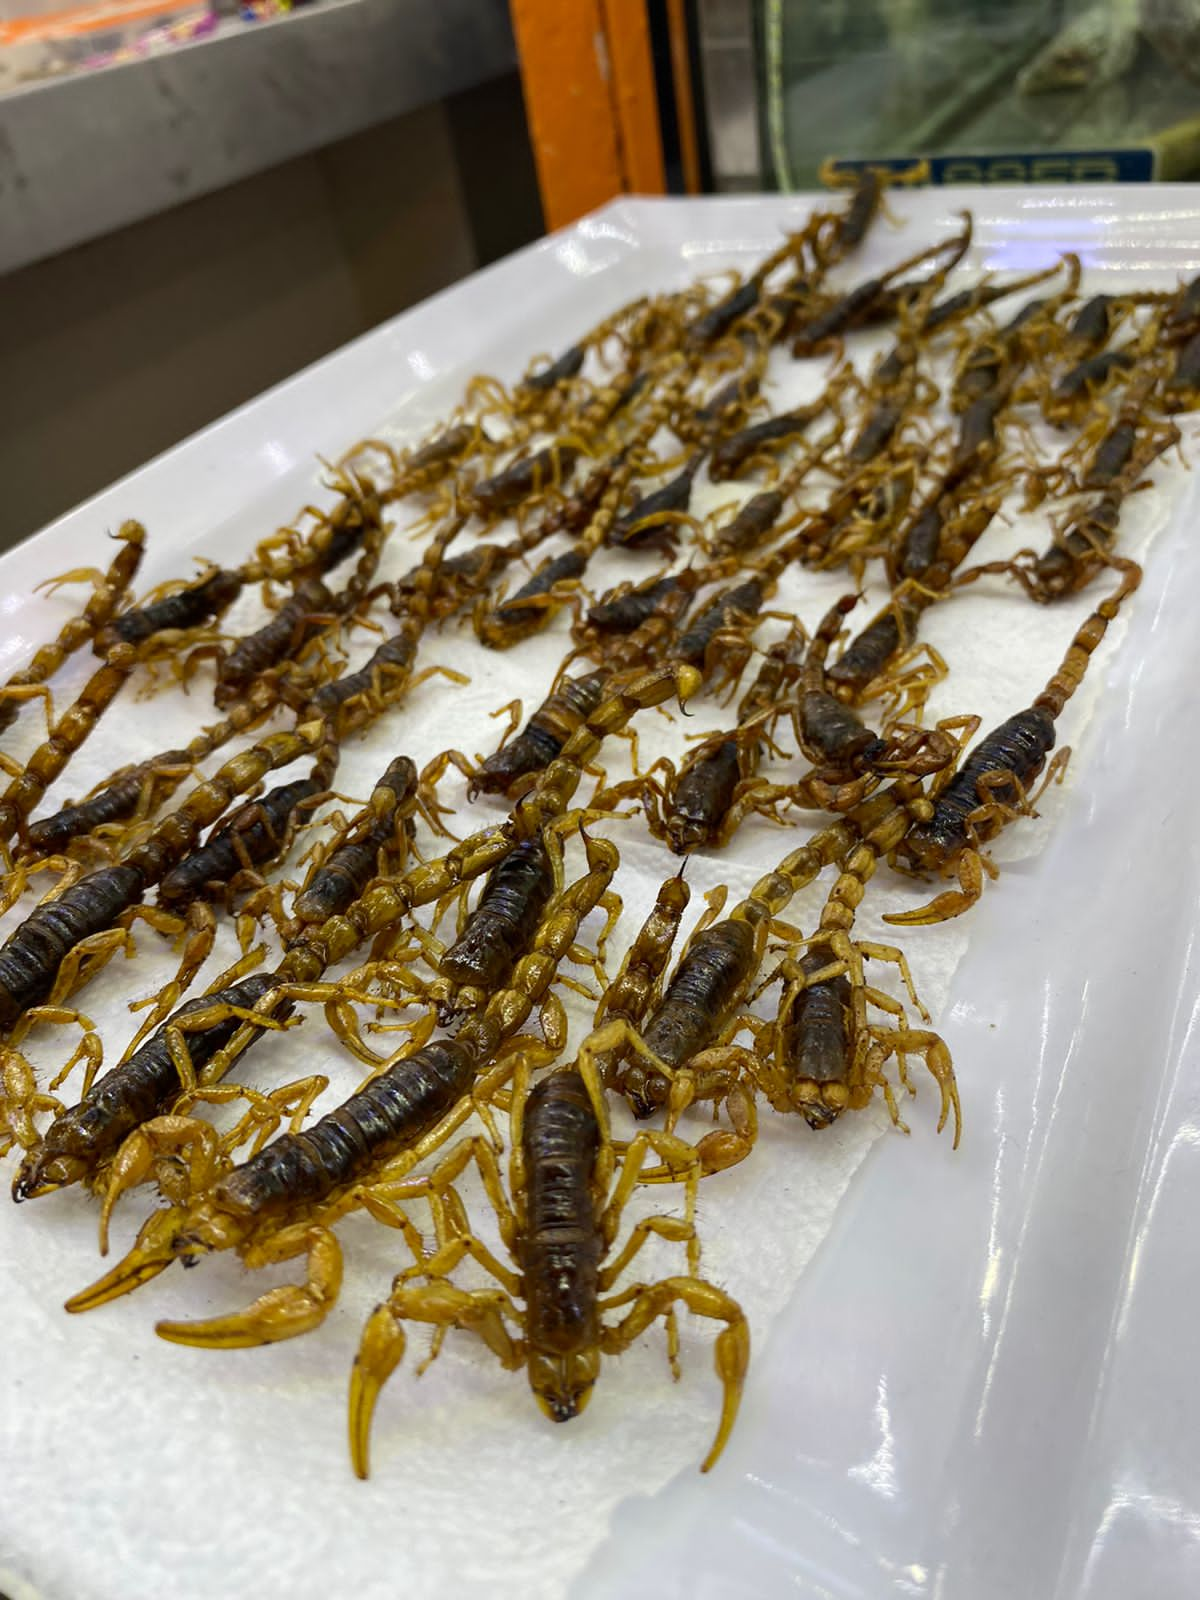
(814, 1043)
(392, 1111)
(560, 1248)
(351, 865)
(727, 404)
(743, 600)
(733, 452)
(78, 1141)
(865, 657)
(835, 734)
(529, 476)
(623, 611)
(184, 609)
(850, 228)
(32, 954)
(1017, 748)
(543, 736)
(527, 610)
(751, 525)
(505, 919)
(1180, 388)
(1180, 321)
(252, 834)
(699, 997)
(921, 541)
(300, 617)
(545, 378)
(444, 448)
(1090, 373)
(650, 520)
(1093, 323)
(389, 661)
(114, 803)
(718, 319)
(703, 794)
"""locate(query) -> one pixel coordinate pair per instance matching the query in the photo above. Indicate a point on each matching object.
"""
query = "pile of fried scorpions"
(598, 450)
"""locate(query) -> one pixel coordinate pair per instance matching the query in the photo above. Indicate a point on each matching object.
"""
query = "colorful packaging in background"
(37, 42)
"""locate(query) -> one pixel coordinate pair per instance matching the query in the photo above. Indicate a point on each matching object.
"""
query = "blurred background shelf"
(87, 153)
(182, 231)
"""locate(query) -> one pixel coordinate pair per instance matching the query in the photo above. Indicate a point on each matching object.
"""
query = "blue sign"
(1034, 166)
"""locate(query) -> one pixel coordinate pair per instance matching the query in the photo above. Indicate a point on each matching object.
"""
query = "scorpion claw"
(282, 1313)
(151, 1254)
(379, 1354)
(940, 909)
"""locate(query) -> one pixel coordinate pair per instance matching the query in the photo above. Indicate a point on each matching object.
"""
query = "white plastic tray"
(980, 1386)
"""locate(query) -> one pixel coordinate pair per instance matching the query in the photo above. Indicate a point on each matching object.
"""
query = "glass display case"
(992, 91)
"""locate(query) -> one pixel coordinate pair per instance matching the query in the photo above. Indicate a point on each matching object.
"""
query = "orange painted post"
(634, 95)
(588, 82)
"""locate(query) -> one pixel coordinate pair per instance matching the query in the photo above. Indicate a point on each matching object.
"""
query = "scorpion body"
(878, 295)
(542, 738)
(501, 926)
(558, 1231)
(526, 477)
(63, 941)
(96, 615)
(649, 521)
(555, 372)
(196, 603)
(354, 857)
(533, 605)
(64, 739)
(991, 787)
(309, 1179)
(627, 607)
(78, 1145)
(257, 832)
(145, 784)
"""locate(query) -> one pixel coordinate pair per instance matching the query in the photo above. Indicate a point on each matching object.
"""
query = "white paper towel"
(137, 1467)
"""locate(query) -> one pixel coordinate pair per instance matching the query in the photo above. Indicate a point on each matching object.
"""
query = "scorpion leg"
(264, 1112)
(30, 691)
(456, 1238)
(719, 1073)
(682, 1160)
(731, 1355)
(89, 1048)
(168, 1148)
(20, 1101)
(284, 1312)
(430, 807)
(381, 1349)
(933, 1051)
(200, 928)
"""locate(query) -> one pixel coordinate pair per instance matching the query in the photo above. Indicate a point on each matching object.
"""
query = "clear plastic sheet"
(943, 1400)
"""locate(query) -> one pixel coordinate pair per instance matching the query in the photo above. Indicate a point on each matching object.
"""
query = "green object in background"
(989, 92)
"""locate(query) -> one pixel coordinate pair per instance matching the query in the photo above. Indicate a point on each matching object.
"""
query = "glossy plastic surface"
(982, 1385)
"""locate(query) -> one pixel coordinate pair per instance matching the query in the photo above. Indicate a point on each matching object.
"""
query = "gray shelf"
(83, 155)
